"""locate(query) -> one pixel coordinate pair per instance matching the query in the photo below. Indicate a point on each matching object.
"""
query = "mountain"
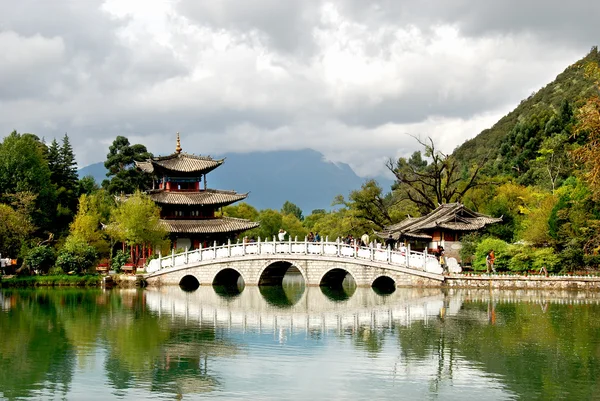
(302, 177)
(572, 88)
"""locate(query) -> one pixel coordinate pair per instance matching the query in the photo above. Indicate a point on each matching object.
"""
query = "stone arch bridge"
(319, 264)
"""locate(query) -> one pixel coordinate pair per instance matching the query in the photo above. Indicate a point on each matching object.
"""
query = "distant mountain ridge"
(302, 177)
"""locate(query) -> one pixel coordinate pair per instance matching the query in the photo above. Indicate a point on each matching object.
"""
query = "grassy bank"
(91, 280)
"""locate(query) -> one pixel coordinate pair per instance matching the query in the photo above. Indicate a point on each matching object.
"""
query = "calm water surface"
(298, 343)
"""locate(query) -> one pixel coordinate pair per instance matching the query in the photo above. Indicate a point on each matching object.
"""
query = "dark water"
(297, 343)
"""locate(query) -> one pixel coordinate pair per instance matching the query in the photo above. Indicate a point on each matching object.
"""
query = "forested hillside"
(570, 89)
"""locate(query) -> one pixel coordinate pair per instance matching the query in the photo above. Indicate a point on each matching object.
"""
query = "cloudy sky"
(349, 78)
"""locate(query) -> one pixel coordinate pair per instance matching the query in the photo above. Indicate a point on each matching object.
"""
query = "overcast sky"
(349, 78)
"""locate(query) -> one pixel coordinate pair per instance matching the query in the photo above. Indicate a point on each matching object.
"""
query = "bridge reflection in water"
(295, 308)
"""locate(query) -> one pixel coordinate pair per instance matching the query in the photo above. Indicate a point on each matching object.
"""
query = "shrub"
(76, 256)
(545, 257)
(119, 260)
(41, 259)
(570, 259)
(520, 258)
(500, 250)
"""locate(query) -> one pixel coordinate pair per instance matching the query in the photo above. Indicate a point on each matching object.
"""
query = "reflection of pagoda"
(188, 211)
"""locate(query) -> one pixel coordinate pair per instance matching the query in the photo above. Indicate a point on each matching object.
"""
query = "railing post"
(200, 253)
(187, 255)
(229, 247)
(371, 254)
(173, 257)
(258, 250)
(290, 248)
(354, 250)
(215, 249)
(388, 251)
(339, 247)
(159, 261)
(244, 247)
(323, 247)
(305, 245)
(408, 254)
(425, 259)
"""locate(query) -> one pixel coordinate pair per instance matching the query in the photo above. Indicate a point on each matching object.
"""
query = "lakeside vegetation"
(538, 168)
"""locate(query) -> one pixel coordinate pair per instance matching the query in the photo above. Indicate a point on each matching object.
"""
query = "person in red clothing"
(490, 259)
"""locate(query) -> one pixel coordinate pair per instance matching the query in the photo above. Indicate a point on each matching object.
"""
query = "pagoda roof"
(180, 162)
(208, 226)
(201, 198)
(448, 216)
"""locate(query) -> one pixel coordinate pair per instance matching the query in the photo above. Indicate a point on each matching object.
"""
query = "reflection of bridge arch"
(312, 312)
(335, 277)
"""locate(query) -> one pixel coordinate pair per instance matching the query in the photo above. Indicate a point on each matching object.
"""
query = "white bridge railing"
(402, 257)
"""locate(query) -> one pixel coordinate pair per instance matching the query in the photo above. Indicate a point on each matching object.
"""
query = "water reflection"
(422, 343)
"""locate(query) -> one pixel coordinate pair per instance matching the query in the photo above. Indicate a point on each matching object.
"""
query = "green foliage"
(41, 258)
(501, 250)
(124, 178)
(15, 224)
(76, 256)
(290, 208)
(469, 247)
(241, 210)
(94, 209)
(23, 168)
(119, 260)
(136, 221)
(87, 185)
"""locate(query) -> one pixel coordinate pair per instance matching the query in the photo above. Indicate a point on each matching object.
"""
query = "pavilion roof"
(180, 162)
(208, 226)
(200, 198)
(449, 216)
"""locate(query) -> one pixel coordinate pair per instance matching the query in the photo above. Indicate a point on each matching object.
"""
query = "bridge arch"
(189, 282)
(384, 285)
(337, 277)
(273, 272)
(229, 277)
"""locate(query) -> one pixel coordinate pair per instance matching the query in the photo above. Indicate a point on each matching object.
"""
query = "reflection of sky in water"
(301, 344)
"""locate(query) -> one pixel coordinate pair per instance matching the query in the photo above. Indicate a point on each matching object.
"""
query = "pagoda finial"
(178, 148)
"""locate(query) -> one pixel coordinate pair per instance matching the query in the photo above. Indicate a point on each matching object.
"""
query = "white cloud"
(340, 77)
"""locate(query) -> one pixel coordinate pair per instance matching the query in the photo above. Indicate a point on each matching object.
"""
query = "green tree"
(41, 259)
(76, 256)
(24, 168)
(124, 178)
(136, 221)
(290, 208)
(15, 223)
(94, 211)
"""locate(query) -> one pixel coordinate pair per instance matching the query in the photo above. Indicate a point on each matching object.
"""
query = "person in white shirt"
(282, 234)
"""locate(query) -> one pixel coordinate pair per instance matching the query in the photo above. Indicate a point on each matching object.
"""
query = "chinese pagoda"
(188, 207)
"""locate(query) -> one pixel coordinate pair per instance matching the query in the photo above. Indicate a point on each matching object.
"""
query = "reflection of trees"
(33, 347)
(48, 330)
(538, 352)
(370, 339)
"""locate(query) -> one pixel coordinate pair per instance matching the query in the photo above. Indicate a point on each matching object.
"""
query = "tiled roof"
(181, 162)
(209, 226)
(206, 197)
(451, 216)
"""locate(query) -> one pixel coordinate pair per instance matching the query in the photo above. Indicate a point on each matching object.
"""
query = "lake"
(291, 342)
